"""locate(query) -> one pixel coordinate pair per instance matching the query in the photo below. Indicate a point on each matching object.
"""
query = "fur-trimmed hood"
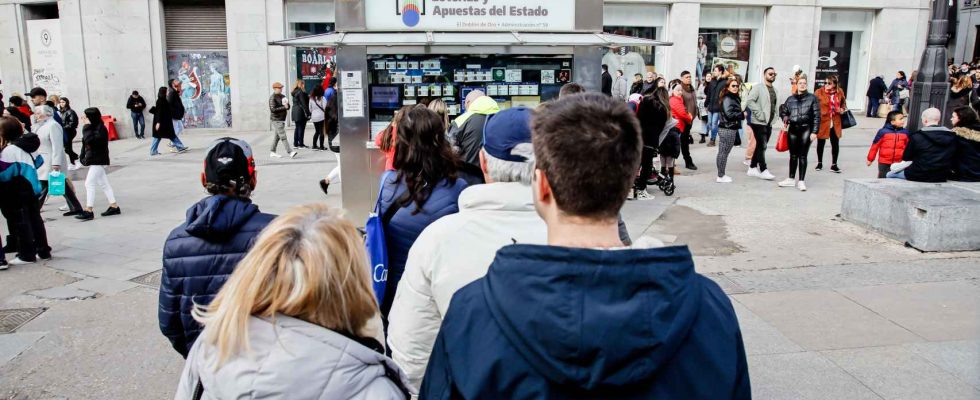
(969, 133)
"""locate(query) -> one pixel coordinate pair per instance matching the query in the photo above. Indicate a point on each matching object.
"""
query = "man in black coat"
(931, 150)
(201, 253)
(876, 92)
(606, 81)
(176, 106)
(135, 104)
(713, 93)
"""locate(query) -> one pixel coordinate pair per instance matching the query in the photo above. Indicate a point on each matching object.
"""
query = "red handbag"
(782, 142)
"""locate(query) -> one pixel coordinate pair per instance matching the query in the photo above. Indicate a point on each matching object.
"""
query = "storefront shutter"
(195, 27)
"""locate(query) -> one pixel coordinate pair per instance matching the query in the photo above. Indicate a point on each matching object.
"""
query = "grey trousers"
(726, 141)
(280, 128)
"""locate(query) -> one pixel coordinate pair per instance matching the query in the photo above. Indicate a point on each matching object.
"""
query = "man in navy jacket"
(201, 253)
(584, 317)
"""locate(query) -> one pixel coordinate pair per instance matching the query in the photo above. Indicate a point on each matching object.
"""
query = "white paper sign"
(353, 103)
(482, 15)
(351, 80)
(513, 75)
(548, 77)
(47, 60)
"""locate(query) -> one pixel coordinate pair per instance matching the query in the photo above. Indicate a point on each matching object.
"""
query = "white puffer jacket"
(452, 252)
(292, 359)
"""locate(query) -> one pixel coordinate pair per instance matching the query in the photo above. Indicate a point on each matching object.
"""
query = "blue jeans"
(156, 144)
(873, 108)
(713, 120)
(139, 123)
(178, 126)
(896, 175)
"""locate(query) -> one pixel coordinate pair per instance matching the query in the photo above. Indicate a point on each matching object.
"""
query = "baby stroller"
(670, 149)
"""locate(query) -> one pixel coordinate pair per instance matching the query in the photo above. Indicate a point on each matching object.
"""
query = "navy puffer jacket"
(199, 256)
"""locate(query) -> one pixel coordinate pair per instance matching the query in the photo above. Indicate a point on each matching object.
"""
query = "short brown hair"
(570, 88)
(588, 146)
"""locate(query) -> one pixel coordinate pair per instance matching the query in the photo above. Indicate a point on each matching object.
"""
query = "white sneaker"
(274, 155)
(643, 195)
(18, 261)
(753, 172)
(801, 186)
(293, 154)
(72, 167)
(766, 175)
(788, 182)
(747, 163)
(724, 179)
(64, 208)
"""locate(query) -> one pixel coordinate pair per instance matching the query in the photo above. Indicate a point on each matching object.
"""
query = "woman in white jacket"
(52, 150)
(296, 320)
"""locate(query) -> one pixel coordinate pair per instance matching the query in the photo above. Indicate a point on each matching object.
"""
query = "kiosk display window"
(400, 80)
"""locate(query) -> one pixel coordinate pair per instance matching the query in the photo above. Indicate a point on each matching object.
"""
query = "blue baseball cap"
(505, 130)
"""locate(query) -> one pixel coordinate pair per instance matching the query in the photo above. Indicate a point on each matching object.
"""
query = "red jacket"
(889, 145)
(679, 111)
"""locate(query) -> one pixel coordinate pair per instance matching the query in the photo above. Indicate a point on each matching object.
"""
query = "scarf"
(834, 102)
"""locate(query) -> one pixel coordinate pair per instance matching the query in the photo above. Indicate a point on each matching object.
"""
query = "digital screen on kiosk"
(386, 97)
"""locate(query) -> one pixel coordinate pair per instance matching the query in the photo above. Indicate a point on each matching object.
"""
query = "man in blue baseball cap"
(457, 249)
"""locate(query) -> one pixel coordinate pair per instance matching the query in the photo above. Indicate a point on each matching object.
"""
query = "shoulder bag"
(374, 240)
(847, 120)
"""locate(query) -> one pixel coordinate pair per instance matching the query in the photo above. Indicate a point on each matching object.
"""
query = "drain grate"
(11, 320)
(150, 280)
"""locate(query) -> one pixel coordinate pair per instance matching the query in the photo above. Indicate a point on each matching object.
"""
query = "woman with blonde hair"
(297, 320)
(442, 110)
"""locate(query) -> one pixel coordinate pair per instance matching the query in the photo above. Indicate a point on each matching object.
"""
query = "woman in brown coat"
(833, 103)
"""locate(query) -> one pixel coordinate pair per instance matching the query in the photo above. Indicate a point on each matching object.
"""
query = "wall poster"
(315, 67)
(730, 47)
(834, 57)
(205, 87)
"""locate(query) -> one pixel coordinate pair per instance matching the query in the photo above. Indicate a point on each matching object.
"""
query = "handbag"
(847, 120)
(782, 142)
(56, 183)
(374, 241)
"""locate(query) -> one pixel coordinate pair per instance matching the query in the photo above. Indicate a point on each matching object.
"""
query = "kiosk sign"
(469, 15)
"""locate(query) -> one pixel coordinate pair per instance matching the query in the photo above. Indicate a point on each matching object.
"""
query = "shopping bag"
(884, 110)
(782, 143)
(56, 183)
(847, 120)
(374, 241)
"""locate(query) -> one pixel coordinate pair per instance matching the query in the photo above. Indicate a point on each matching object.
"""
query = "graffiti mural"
(204, 87)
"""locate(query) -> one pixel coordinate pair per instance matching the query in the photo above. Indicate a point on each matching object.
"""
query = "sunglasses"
(771, 74)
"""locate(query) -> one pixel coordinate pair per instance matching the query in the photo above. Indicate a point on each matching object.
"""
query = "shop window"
(637, 20)
(314, 66)
(727, 37)
(842, 50)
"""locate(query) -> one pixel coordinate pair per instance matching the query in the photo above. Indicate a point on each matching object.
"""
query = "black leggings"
(761, 134)
(318, 135)
(686, 144)
(299, 134)
(69, 140)
(331, 135)
(834, 146)
(799, 147)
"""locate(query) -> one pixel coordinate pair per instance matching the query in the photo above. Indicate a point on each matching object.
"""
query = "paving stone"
(824, 320)
(960, 358)
(895, 372)
(938, 311)
(63, 293)
(11, 345)
(759, 337)
(104, 286)
(803, 376)
(92, 269)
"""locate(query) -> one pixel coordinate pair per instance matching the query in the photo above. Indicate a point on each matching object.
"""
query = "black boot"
(703, 139)
(689, 164)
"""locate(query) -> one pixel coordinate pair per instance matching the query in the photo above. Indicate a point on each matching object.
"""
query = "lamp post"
(931, 85)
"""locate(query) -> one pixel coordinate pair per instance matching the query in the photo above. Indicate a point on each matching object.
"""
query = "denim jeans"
(156, 144)
(178, 126)
(139, 123)
(873, 106)
(713, 120)
(896, 175)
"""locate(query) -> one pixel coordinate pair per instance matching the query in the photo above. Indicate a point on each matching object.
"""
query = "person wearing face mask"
(801, 115)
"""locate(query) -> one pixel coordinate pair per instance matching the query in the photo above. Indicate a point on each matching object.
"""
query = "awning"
(337, 39)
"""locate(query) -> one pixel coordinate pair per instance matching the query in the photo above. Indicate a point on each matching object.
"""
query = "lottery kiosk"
(393, 53)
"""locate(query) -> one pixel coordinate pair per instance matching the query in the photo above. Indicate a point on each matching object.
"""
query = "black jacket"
(69, 120)
(637, 87)
(607, 83)
(713, 91)
(653, 116)
(198, 257)
(176, 105)
(966, 163)
(931, 151)
(731, 112)
(469, 138)
(163, 116)
(963, 98)
(277, 110)
(301, 111)
(877, 88)
(95, 145)
(802, 111)
(136, 104)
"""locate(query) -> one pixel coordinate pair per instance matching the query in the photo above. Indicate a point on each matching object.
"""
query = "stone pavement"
(828, 310)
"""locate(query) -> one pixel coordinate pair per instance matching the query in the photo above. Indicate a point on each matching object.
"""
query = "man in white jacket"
(458, 249)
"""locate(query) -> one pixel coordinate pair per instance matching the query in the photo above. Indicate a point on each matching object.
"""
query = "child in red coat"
(889, 143)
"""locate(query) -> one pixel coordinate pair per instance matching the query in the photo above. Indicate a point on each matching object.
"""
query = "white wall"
(13, 51)
(682, 30)
(248, 59)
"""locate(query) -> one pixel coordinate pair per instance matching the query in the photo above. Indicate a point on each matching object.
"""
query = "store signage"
(469, 15)
(47, 60)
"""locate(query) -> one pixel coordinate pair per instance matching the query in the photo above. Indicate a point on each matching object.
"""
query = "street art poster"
(47, 60)
(315, 66)
(726, 46)
(205, 87)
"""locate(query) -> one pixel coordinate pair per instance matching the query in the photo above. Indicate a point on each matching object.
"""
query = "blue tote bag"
(377, 249)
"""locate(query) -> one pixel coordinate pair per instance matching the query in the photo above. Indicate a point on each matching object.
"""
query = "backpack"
(374, 240)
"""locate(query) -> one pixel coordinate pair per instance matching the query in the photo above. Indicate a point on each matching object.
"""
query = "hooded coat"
(931, 151)
(552, 322)
(198, 257)
(966, 164)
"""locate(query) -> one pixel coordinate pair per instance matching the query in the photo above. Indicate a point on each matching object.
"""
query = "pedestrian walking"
(69, 120)
(296, 320)
(731, 117)
(761, 104)
(584, 316)
(163, 125)
(690, 98)
(202, 252)
(801, 116)
(95, 155)
(833, 104)
(278, 107)
(21, 187)
(607, 81)
(300, 114)
(52, 151)
(136, 104)
(620, 88)
(876, 92)
(177, 109)
(424, 187)
(898, 91)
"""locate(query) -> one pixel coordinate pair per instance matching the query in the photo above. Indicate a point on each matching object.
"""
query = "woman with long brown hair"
(833, 104)
(296, 320)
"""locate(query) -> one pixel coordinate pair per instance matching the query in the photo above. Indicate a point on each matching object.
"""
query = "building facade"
(97, 52)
